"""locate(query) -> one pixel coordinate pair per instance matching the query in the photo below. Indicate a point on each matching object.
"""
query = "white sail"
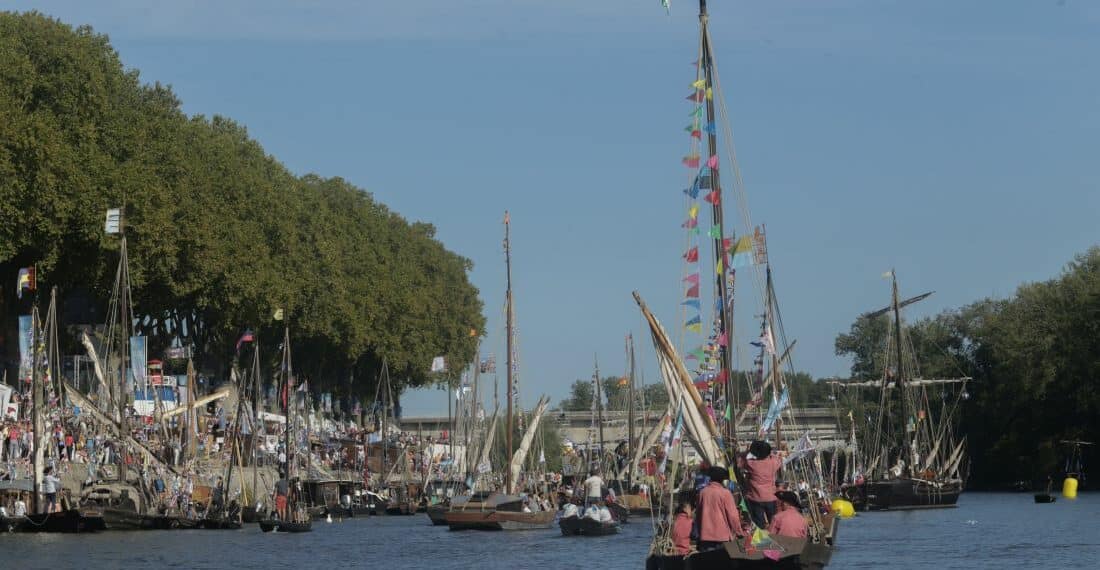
(525, 444)
(483, 465)
(97, 367)
(701, 430)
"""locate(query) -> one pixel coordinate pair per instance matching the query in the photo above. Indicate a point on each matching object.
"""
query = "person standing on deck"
(282, 489)
(761, 467)
(593, 488)
(50, 486)
(789, 520)
(719, 521)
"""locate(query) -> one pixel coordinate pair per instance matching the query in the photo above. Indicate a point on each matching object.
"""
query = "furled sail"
(647, 443)
(701, 430)
(525, 444)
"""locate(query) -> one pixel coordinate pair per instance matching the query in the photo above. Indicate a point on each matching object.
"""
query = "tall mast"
(385, 413)
(599, 405)
(508, 332)
(257, 423)
(123, 285)
(900, 375)
(36, 412)
(707, 66)
(630, 410)
(289, 383)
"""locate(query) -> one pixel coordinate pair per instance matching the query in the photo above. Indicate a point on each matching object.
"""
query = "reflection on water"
(985, 531)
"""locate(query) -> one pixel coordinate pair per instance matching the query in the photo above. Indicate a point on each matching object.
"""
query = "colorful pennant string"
(694, 303)
(713, 197)
(690, 223)
(692, 255)
(699, 84)
(691, 161)
(742, 252)
(692, 292)
(714, 232)
(693, 278)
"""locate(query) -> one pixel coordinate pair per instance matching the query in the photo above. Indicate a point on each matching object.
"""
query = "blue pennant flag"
(694, 190)
(709, 128)
(693, 321)
(692, 303)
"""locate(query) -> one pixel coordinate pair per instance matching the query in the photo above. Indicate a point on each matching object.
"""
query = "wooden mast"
(599, 408)
(123, 285)
(36, 413)
(900, 374)
(288, 425)
(256, 421)
(707, 66)
(509, 318)
(630, 411)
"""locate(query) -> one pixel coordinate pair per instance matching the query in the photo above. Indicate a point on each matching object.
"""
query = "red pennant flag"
(702, 385)
(697, 97)
(691, 223)
(697, 134)
(723, 375)
(692, 292)
(693, 278)
(722, 339)
(692, 254)
(727, 243)
(713, 197)
(691, 161)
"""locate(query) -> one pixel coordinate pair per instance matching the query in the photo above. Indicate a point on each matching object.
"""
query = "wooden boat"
(495, 511)
(275, 525)
(587, 526)
(438, 514)
(908, 493)
(793, 553)
(69, 521)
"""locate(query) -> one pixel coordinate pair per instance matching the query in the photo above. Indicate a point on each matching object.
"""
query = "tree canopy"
(219, 233)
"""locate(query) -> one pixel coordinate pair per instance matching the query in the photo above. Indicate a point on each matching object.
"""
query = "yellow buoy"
(844, 509)
(1069, 488)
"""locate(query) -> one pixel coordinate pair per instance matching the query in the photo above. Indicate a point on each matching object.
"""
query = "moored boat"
(276, 525)
(586, 526)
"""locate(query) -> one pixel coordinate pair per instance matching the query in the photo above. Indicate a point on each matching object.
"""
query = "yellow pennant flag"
(699, 84)
(719, 267)
(710, 94)
(694, 211)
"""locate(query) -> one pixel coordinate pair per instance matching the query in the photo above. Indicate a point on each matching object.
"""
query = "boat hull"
(585, 526)
(1045, 498)
(69, 522)
(798, 554)
(498, 520)
(438, 515)
(906, 493)
(269, 525)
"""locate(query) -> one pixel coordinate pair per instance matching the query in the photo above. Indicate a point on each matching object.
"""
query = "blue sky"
(954, 141)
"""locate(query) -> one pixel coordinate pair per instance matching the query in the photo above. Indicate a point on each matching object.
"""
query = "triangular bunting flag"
(697, 97)
(742, 252)
(713, 197)
(691, 161)
(712, 162)
(692, 255)
(698, 112)
(693, 278)
(692, 292)
(695, 327)
(696, 134)
(709, 128)
(694, 303)
(699, 84)
(722, 339)
(693, 211)
(710, 94)
(690, 223)
(714, 232)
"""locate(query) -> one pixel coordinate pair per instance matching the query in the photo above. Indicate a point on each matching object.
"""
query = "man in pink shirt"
(789, 520)
(719, 520)
(761, 467)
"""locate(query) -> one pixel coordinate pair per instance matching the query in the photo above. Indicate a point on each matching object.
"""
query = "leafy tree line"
(220, 234)
(1035, 363)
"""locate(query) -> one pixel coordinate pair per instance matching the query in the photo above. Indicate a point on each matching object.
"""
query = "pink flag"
(691, 223)
(722, 339)
(692, 292)
(712, 162)
(693, 278)
(691, 161)
(697, 97)
(692, 254)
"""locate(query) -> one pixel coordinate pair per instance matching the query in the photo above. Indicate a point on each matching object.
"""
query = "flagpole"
(509, 319)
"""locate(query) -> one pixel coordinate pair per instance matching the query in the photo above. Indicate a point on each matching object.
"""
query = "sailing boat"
(698, 397)
(917, 460)
(504, 510)
(296, 519)
(66, 519)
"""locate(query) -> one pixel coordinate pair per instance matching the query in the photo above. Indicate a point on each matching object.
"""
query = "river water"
(985, 531)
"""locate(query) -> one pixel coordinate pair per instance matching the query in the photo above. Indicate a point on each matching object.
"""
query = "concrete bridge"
(576, 425)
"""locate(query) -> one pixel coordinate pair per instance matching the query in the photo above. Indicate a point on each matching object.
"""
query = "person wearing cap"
(719, 521)
(761, 466)
(788, 521)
